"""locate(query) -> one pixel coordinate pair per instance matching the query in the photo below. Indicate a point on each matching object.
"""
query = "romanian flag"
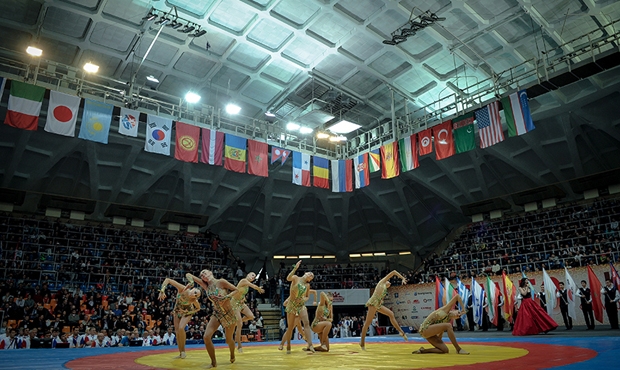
(186, 144)
(234, 153)
(389, 157)
(320, 171)
(374, 160)
(510, 293)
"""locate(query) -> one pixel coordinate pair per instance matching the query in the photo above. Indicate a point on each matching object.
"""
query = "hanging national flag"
(463, 131)
(444, 143)
(492, 300)
(553, 306)
(408, 153)
(615, 278)
(2, 83)
(517, 113)
(439, 298)
(464, 293)
(24, 107)
(279, 153)
(489, 125)
(425, 141)
(448, 291)
(234, 153)
(571, 291)
(510, 293)
(361, 170)
(96, 120)
(186, 142)
(320, 171)
(257, 158)
(158, 132)
(301, 169)
(212, 147)
(389, 157)
(62, 113)
(374, 160)
(595, 291)
(128, 122)
(477, 301)
(342, 176)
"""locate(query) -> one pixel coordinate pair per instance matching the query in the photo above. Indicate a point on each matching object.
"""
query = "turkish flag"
(425, 142)
(444, 142)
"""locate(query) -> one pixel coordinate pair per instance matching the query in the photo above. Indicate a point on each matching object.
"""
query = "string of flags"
(243, 155)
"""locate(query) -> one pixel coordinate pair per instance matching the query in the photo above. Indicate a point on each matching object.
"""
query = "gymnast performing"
(300, 288)
(439, 322)
(238, 303)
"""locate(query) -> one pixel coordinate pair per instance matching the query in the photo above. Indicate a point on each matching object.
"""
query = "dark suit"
(611, 305)
(568, 321)
(586, 307)
(470, 314)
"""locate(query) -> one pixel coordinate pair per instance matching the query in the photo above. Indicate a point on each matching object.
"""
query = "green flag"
(464, 138)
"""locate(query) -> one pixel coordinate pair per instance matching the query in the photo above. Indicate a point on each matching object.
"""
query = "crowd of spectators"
(85, 282)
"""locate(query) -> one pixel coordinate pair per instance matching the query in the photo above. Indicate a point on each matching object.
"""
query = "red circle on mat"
(539, 356)
(63, 113)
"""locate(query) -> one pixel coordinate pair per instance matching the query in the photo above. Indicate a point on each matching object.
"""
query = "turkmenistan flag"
(24, 105)
(463, 131)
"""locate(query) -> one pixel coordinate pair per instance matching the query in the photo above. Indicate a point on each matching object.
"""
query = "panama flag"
(186, 144)
(517, 113)
(24, 105)
(158, 132)
(362, 171)
(425, 141)
(212, 147)
(374, 160)
(62, 114)
(301, 169)
(477, 301)
(96, 120)
(342, 176)
(571, 290)
(128, 122)
(408, 153)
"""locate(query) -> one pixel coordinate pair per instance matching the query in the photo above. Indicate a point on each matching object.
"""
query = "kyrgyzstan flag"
(425, 141)
(258, 158)
(62, 114)
(235, 152)
(444, 143)
(186, 145)
(24, 105)
(212, 147)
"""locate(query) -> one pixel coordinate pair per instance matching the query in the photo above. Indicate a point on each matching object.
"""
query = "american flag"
(489, 125)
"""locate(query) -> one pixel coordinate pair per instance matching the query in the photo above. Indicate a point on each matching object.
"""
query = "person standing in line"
(586, 304)
(563, 295)
(612, 297)
(542, 297)
(375, 304)
(470, 313)
(500, 313)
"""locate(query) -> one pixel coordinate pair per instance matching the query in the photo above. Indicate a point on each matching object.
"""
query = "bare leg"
(433, 335)
(209, 331)
(228, 332)
(247, 313)
(238, 331)
(290, 317)
(387, 312)
(179, 325)
(308, 334)
(369, 316)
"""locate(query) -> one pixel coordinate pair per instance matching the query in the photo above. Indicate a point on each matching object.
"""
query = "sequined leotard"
(183, 307)
(376, 300)
(296, 303)
(323, 313)
(440, 317)
(222, 308)
(237, 304)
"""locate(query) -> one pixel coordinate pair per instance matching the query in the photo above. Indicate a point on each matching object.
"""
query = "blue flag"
(96, 121)
(477, 301)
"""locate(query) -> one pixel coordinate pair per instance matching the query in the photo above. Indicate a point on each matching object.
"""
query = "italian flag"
(24, 105)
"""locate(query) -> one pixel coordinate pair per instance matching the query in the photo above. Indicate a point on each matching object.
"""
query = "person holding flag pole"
(532, 319)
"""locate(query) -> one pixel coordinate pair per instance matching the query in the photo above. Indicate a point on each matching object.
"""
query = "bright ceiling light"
(292, 126)
(152, 79)
(233, 109)
(329, 256)
(404, 253)
(322, 135)
(34, 51)
(337, 138)
(278, 257)
(344, 127)
(313, 256)
(91, 68)
(269, 114)
(379, 254)
(192, 98)
(305, 130)
(366, 254)
(304, 256)
(355, 255)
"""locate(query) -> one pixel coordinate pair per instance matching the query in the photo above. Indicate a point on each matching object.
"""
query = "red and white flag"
(489, 125)
(425, 142)
(62, 113)
(212, 147)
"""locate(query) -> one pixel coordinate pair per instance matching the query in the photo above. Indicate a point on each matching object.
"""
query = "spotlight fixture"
(305, 130)
(91, 68)
(233, 109)
(406, 32)
(398, 38)
(413, 25)
(390, 42)
(163, 20)
(322, 135)
(199, 33)
(187, 29)
(149, 17)
(152, 78)
(192, 97)
(174, 24)
(292, 126)
(34, 51)
(269, 114)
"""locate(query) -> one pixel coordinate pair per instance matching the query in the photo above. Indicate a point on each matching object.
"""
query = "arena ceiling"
(307, 60)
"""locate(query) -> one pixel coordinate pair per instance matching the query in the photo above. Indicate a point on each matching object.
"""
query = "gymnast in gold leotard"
(239, 306)
(300, 287)
(219, 292)
(185, 306)
(375, 304)
(437, 323)
(322, 323)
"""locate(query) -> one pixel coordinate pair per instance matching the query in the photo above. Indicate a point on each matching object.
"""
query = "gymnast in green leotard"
(300, 287)
(322, 323)
(375, 304)
(239, 306)
(437, 323)
(185, 306)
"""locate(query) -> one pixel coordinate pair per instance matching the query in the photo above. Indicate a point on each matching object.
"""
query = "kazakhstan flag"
(96, 121)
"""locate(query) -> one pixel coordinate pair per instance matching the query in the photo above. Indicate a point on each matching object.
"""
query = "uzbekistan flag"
(389, 157)
(374, 160)
(96, 120)
(320, 171)
(301, 169)
(24, 105)
(408, 153)
(212, 147)
(517, 113)
(186, 145)
(235, 150)
(342, 176)
(62, 113)
(362, 171)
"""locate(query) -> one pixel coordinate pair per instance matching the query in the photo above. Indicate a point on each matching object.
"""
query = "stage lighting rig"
(413, 25)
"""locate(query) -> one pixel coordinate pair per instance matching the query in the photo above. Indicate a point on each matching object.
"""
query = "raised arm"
(226, 285)
(246, 282)
(197, 280)
(291, 274)
(162, 291)
(391, 275)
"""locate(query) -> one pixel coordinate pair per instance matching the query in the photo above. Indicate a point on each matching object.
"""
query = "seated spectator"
(169, 338)
(100, 341)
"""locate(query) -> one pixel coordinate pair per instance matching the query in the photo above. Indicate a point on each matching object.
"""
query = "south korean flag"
(158, 135)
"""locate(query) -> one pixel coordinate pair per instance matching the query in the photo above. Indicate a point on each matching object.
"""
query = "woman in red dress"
(532, 319)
